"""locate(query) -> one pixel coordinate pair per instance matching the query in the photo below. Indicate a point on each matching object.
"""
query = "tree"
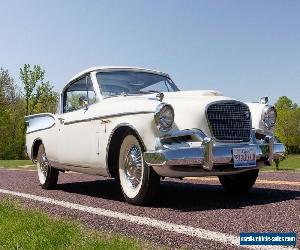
(288, 123)
(11, 118)
(7, 88)
(284, 103)
(46, 99)
(39, 95)
(30, 79)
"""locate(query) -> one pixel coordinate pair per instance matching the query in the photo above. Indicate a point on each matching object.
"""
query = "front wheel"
(48, 175)
(139, 182)
(239, 183)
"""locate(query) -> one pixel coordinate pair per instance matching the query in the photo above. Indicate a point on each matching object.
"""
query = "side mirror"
(83, 102)
(264, 100)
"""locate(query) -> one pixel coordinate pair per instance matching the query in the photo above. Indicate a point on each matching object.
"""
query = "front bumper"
(210, 158)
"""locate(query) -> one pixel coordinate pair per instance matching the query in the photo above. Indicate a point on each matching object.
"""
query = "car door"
(79, 133)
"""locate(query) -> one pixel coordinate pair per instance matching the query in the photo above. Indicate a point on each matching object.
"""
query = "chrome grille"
(229, 121)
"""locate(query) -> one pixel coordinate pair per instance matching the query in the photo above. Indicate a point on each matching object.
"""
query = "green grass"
(290, 163)
(16, 163)
(22, 228)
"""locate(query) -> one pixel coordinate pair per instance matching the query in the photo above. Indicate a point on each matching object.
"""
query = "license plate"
(244, 157)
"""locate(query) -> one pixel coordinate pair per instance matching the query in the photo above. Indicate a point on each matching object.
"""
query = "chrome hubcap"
(44, 165)
(133, 167)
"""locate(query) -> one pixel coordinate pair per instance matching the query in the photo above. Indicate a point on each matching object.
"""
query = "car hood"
(189, 106)
(149, 102)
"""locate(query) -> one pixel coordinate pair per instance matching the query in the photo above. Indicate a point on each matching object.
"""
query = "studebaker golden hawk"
(137, 126)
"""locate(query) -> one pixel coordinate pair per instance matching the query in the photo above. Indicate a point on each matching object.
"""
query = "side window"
(77, 91)
(91, 95)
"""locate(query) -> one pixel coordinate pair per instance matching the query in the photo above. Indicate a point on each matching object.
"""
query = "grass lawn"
(291, 163)
(22, 228)
(17, 164)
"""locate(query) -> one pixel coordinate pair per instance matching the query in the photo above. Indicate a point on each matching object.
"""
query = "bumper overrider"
(210, 158)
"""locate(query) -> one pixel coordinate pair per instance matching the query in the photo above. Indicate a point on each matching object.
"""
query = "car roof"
(114, 68)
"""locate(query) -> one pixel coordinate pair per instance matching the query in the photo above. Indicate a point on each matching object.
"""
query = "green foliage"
(7, 88)
(30, 79)
(284, 103)
(73, 101)
(45, 99)
(288, 124)
(11, 119)
(39, 95)
(31, 229)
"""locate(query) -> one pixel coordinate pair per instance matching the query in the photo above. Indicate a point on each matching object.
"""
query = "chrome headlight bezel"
(162, 123)
(269, 117)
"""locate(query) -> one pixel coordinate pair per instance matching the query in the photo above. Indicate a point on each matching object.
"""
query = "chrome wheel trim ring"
(133, 167)
(43, 167)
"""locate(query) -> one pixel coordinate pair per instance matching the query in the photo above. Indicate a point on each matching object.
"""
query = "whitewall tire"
(139, 182)
(47, 175)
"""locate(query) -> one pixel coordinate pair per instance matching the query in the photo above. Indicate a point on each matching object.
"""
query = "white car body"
(81, 140)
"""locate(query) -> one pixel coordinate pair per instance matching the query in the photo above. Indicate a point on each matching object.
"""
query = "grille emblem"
(247, 114)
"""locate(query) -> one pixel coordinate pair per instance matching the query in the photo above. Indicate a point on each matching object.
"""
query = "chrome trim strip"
(108, 116)
(38, 115)
(66, 166)
(116, 68)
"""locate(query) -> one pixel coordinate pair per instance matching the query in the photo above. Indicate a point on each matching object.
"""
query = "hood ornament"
(160, 96)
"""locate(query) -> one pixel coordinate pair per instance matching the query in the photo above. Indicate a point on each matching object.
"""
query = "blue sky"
(245, 49)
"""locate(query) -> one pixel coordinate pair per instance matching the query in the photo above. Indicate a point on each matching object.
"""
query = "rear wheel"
(138, 181)
(239, 183)
(48, 175)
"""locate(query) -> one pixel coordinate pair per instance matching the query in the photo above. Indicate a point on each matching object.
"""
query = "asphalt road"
(192, 206)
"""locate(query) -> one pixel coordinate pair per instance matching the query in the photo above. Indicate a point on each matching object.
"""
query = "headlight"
(164, 117)
(268, 117)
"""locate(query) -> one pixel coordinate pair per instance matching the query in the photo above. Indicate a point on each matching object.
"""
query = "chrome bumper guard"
(210, 154)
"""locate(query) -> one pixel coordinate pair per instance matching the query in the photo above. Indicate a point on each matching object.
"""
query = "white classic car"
(136, 125)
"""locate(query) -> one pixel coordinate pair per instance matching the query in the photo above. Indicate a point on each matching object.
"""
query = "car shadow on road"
(185, 196)
(196, 197)
(105, 189)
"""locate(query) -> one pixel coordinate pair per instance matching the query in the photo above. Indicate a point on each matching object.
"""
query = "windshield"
(129, 82)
